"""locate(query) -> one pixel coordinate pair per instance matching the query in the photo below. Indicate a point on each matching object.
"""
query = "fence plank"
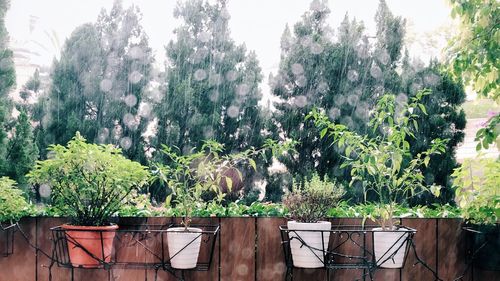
(451, 249)
(425, 244)
(237, 249)
(270, 259)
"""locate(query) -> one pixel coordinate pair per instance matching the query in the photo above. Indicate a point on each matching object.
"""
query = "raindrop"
(117, 132)
(225, 14)
(347, 120)
(401, 98)
(136, 52)
(316, 6)
(231, 75)
(113, 61)
(379, 90)
(199, 55)
(375, 71)
(145, 110)
(126, 143)
(242, 270)
(45, 190)
(339, 100)
(214, 79)
(103, 134)
(384, 57)
(155, 95)
(352, 99)
(208, 132)
(306, 41)
(46, 121)
(334, 113)
(130, 100)
(301, 81)
(316, 48)
(106, 85)
(200, 75)
(415, 87)
(130, 121)
(135, 77)
(5, 64)
(214, 96)
(242, 89)
(233, 111)
(352, 75)
(300, 101)
(297, 69)
(323, 87)
(431, 79)
(204, 36)
(362, 111)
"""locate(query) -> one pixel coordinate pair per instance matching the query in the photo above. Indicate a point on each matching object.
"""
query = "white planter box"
(304, 256)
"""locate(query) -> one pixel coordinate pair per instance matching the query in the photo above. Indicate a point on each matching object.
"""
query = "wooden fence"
(249, 249)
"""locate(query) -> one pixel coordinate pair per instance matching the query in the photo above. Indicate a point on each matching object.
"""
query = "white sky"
(257, 23)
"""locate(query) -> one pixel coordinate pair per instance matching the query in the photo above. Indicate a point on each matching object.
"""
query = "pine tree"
(7, 81)
(98, 83)
(22, 150)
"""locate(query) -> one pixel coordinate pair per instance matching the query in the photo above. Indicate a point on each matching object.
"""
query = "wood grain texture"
(237, 249)
(270, 258)
(451, 249)
(425, 244)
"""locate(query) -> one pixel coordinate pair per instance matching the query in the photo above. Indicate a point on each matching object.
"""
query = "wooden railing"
(248, 249)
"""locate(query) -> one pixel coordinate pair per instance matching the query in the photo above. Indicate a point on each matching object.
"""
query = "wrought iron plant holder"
(482, 249)
(148, 242)
(7, 239)
(350, 247)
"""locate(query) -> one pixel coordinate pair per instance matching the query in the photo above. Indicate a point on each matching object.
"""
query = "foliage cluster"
(13, 205)
(311, 201)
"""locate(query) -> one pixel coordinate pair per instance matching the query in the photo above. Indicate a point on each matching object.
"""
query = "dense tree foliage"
(475, 50)
(212, 84)
(7, 81)
(98, 83)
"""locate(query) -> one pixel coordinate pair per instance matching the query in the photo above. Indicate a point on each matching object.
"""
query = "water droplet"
(200, 75)
(130, 100)
(242, 89)
(106, 85)
(6, 64)
(102, 135)
(135, 77)
(431, 79)
(297, 69)
(225, 14)
(126, 143)
(323, 87)
(352, 75)
(242, 270)
(231, 75)
(334, 113)
(45, 190)
(300, 101)
(352, 99)
(316, 48)
(204, 36)
(306, 41)
(130, 121)
(214, 79)
(113, 61)
(233, 111)
(301, 81)
(384, 57)
(135, 52)
(208, 132)
(340, 100)
(214, 96)
(145, 110)
(316, 6)
(375, 71)
(402, 98)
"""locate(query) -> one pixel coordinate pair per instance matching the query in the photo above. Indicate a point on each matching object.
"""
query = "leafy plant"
(383, 164)
(89, 182)
(189, 176)
(489, 134)
(478, 192)
(311, 202)
(13, 205)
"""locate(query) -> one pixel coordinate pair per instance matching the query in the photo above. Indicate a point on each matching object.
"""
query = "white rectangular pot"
(390, 247)
(183, 246)
(310, 255)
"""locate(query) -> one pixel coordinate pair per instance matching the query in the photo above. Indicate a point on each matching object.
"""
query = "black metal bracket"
(350, 247)
(7, 234)
(149, 240)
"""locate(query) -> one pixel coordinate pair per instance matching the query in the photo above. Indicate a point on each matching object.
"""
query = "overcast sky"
(42, 26)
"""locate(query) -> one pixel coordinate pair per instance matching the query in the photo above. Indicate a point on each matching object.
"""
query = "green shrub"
(13, 205)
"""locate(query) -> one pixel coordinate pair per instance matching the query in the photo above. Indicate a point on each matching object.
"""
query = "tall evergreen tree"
(22, 150)
(98, 82)
(7, 81)
(212, 83)
(443, 119)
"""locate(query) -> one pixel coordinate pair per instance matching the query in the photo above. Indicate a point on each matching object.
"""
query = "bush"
(13, 205)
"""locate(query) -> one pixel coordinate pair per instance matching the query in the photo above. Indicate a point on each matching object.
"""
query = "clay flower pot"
(89, 246)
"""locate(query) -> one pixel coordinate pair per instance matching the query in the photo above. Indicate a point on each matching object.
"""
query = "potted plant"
(385, 168)
(477, 184)
(88, 182)
(192, 175)
(308, 206)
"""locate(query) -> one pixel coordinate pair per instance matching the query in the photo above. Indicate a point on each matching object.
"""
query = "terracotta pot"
(303, 256)
(89, 246)
(183, 246)
(390, 247)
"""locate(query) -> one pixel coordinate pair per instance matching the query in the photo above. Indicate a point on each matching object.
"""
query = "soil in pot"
(312, 255)
(89, 246)
(390, 247)
(183, 246)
